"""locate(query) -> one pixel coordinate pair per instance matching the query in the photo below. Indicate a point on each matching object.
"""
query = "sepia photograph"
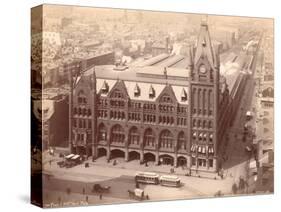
(133, 106)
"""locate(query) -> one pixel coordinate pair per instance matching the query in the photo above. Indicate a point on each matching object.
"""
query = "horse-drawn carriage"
(101, 189)
(137, 194)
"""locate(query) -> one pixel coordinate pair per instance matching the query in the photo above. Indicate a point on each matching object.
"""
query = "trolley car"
(147, 177)
(168, 180)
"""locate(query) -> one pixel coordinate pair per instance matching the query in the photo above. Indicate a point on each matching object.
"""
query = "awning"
(194, 134)
(211, 136)
(211, 150)
(69, 156)
(193, 148)
(203, 150)
(75, 157)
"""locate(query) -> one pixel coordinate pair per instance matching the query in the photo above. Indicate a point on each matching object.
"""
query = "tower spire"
(204, 45)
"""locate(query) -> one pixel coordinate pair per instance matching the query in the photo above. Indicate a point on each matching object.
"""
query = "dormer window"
(151, 92)
(183, 95)
(104, 87)
(137, 91)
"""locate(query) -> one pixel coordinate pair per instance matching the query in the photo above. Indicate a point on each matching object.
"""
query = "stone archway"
(102, 152)
(149, 157)
(117, 153)
(134, 155)
(166, 159)
(182, 161)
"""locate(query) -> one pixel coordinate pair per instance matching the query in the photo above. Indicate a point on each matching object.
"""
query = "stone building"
(170, 109)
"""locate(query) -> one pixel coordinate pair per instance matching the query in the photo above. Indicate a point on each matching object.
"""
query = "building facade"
(169, 109)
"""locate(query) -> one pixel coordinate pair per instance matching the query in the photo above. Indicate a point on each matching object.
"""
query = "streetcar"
(169, 180)
(147, 177)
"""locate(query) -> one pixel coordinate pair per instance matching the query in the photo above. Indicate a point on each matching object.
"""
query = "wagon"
(100, 189)
(137, 194)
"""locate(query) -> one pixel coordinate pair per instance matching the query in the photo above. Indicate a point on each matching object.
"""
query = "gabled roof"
(144, 89)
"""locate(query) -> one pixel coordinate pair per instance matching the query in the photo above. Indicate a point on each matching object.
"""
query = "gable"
(119, 90)
(167, 95)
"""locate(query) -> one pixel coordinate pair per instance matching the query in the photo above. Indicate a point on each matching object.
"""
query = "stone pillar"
(94, 152)
(188, 161)
(141, 148)
(175, 161)
(87, 151)
(77, 150)
(108, 153)
(141, 156)
(215, 167)
(126, 155)
(157, 158)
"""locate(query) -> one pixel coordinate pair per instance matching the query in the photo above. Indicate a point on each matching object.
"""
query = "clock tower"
(203, 110)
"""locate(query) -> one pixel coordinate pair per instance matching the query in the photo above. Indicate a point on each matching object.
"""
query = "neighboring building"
(161, 47)
(170, 109)
(96, 59)
(50, 112)
(264, 135)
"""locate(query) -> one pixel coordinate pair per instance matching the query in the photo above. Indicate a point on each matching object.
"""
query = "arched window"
(134, 136)
(102, 134)
(149, 138)
(181, 141)
(166, 139)
(117, 134)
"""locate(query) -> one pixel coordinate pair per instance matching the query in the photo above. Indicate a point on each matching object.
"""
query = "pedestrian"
(50, 162)
(87, 199)
(84, 191)
(147, 197)
(100, 196)
(234, 188)
(59, 200)
(68, 190)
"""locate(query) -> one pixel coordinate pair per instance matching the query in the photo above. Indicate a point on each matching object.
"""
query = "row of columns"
(141, 153)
